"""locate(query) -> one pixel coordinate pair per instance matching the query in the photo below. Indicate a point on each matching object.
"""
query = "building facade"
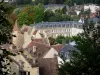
(54, 29)
(54, 7)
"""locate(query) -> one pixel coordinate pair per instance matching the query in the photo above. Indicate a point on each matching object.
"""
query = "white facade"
(54, 7)
(92, 7)
(54, 29)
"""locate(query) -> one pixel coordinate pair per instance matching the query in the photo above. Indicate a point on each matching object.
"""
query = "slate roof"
(94, 19)
(56, 24)
(67, 48)
(65, 51)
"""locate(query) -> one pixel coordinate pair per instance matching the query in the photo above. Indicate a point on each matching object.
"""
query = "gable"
(51, 53)
(20, 58)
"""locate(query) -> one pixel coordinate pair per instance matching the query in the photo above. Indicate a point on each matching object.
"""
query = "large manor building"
(64, 28)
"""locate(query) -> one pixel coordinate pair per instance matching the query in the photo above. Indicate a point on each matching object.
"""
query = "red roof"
(38, 40)
(41, 49)
(16, 28)
(57, 47)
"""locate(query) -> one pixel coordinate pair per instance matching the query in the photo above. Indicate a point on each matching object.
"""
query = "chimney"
(34, 49)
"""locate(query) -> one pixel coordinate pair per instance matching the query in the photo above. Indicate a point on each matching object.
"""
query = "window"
(28, 73)
(13, 47)
(24, 73)
(34, 49)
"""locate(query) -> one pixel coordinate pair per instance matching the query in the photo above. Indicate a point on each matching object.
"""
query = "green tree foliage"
(26, 15)
(58, 15)
(23, 2)
(24, 18)
(64, 10)
(30, 14)
(68, 2)
(52, 41)
(38, 13)
(48, 14)
(17, 11)
(5, 36)
(86, 59)
(60, 39)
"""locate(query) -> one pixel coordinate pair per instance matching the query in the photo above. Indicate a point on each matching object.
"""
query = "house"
(21, 66)
(92, 7)
(64, 28)
(54, 7)
(37, 54)
(45, 57)
(17, 36)
(22, 37)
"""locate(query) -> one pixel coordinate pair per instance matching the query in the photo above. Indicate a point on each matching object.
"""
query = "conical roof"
(16, 27)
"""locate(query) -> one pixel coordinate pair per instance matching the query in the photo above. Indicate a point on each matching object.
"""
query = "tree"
(59, 39)
(17, 11)
(38, 13)
(48, 14)
(23, 2)
(26, 15)
(5, 36)
(64, 10)
(24, 18)
(68, 2)
(13, 17)
(52, 41)
(86, 59)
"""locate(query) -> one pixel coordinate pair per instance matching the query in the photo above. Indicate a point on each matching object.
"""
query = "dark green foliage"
(68, 2)
(30, 14)
(38, 13)
(24, 18)
(60, 39)
(5, 36)
(23, 2)
(49, 1)
(58, 15)
(48, 14)
(86, 60)
(52, 41)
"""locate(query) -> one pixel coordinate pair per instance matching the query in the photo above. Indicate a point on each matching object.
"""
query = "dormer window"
(34, 49)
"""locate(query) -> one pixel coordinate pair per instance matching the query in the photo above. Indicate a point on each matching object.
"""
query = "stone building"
(64, 28)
